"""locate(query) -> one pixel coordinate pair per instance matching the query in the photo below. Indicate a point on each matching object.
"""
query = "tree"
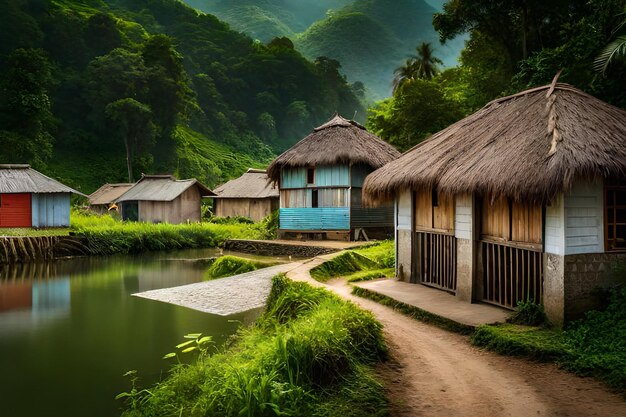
(133, 121)
(25, 109)
(422, 65)
(614, 51)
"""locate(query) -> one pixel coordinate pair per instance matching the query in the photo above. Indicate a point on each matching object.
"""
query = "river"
(70, 329)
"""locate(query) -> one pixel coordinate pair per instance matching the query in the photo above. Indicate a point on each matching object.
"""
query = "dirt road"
(436, 373)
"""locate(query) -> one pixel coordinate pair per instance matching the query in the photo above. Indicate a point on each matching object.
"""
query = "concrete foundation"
(464, 269)
(404, 245)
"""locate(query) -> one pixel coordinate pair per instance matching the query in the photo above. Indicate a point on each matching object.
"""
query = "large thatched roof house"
(104, 198)
(251, 195)
(524, 199)
(320, 180)
(30, 199)
(163, 198)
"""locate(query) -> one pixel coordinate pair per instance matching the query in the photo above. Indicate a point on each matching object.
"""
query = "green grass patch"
(229, 265)
(369, 262)
(22, 231)
(593, 346)
(310, 354)
(106, 235)
(414, 312)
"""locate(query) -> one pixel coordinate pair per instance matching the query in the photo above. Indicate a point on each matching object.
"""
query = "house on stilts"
(523, 200)
(320, 180)
(30, 199)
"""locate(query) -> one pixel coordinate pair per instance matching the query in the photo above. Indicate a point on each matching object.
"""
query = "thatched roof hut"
(528, 146)
(339, 141)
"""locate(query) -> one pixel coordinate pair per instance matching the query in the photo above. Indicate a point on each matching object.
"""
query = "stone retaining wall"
(265, 248)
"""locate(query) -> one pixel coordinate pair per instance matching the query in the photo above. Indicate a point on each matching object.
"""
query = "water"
(69, 330)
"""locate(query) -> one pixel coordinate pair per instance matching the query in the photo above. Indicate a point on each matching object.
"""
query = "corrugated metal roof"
(24, 179)
(252, 184)
(161, 188)
(108, 193)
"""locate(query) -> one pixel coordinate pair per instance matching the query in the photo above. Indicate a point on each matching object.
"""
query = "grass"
(57, 231)
(229, 265)
(369, 262)
(593, 346)
(105, 235)
(310, 354)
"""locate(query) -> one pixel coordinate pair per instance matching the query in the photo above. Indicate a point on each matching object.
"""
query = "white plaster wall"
(404, 223)
(555, 227)
(584, 224)
(463, 217)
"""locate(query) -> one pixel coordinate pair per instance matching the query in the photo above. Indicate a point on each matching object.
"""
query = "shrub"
(228, 265)
(529, 313)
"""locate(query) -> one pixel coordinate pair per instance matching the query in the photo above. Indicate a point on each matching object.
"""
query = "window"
(615, 215)
(314, 199)
(310, 175)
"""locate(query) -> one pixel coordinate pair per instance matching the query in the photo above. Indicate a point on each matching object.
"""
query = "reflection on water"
(70, 329)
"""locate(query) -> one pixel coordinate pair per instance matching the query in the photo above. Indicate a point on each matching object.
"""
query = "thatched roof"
(161, 188)
(23, 179)
(528, 146)
(108, 193)
(339, 141)
(253, 184)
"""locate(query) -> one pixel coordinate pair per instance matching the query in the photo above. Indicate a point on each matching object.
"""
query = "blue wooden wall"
(323, 218)
(325, 176)
(51, 210)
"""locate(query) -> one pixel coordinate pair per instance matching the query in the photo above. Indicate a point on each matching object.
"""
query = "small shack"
(523, 200)
(30, 199)
(105, 197)
(251, 195)
(320, 180)
(163, 199)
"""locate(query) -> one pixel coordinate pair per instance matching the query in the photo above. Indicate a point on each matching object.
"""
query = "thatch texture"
(108, 193)
(529, 146)
(339, 141)
(253, 184)
(24, 179)
(161, 188)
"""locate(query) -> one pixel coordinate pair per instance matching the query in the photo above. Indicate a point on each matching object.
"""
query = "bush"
(529, 313)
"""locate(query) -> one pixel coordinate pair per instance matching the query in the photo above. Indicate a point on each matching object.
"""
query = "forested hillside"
(86, 83)
(369, 38)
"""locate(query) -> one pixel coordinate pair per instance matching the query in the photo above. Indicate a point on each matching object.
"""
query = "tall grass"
(105, 235)
(310, 354)
(228, 265)
(370, 262)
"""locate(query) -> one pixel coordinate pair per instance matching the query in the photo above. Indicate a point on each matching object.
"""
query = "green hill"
(179, 89)
(362, 45)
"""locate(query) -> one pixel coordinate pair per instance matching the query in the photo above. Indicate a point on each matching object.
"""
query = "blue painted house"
(30, 199)
(320, 180)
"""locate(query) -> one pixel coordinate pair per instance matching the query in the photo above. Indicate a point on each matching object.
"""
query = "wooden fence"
(434, 260)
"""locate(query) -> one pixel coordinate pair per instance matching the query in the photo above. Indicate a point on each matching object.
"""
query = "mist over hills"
(370, 38)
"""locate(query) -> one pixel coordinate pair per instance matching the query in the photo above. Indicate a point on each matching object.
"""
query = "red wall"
(15, 210)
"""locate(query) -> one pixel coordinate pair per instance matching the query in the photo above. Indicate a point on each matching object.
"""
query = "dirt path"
(436, 373)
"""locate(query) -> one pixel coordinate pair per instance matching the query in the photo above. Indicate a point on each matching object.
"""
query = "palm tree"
(613, 51)
(423, 65)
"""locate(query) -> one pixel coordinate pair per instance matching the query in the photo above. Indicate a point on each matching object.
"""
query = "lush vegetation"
(105, 235)
(228, 265)
(369, 262)
(96, 91)
(310, 354)
(512, 46)
(592, 346)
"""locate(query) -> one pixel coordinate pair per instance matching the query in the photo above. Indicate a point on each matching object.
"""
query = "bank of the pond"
(228, 265)
(310, 354)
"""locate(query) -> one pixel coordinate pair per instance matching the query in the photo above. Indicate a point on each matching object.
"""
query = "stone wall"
(403, 260)
(464, 269)
(586, 275)
(266, 248)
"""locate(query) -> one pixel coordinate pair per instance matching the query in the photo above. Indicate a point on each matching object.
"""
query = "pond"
(70, 329)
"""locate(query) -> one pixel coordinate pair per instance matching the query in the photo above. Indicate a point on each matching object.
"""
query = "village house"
(523, 200)
(104, 198)
(320, 180)
(251, 195)
(30, 199)
(163, 199)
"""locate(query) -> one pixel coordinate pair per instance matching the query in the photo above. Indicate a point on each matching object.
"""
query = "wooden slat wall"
(443, 214)
(526, 223)
(516, 222)
(423, 210)
(495, 218)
